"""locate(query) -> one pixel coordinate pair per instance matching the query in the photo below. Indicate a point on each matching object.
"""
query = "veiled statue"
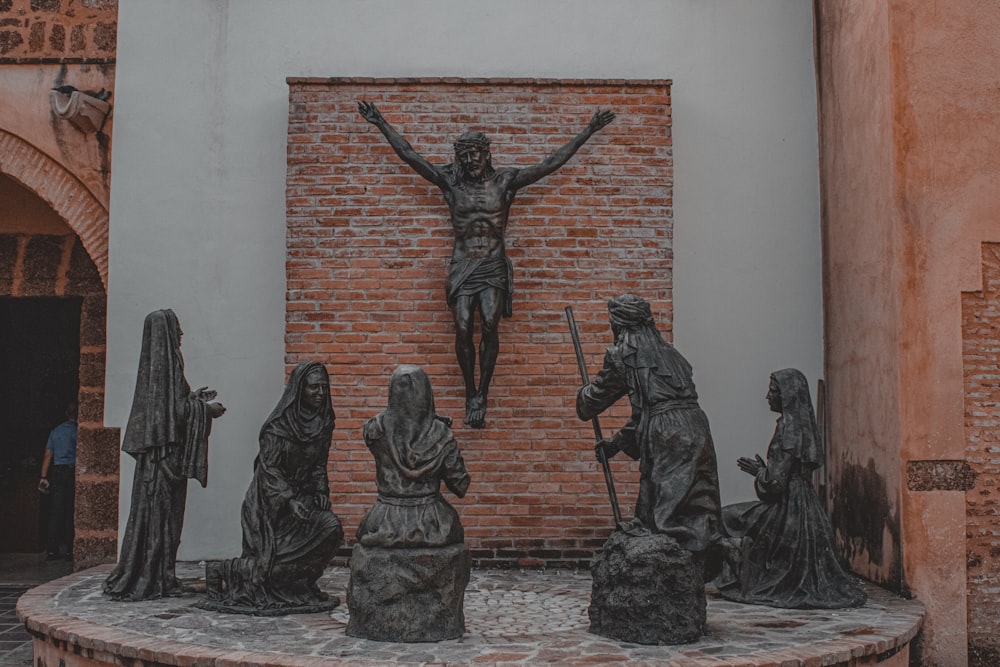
(784, 553)
(410, 566)
(289, 533)
(167, 435)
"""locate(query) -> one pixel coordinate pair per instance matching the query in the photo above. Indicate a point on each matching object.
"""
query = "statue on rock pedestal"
(289, 533)
(480, 277)
(676, 527)
(167, 435)
(410, 566)
(785, 553)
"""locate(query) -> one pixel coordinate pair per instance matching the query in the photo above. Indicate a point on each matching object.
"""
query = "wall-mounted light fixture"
(86, 110)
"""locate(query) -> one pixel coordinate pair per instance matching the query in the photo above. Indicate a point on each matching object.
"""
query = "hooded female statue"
(167, 434)
(786, 554)
(668, 432)
(289, 532)
(414, 452)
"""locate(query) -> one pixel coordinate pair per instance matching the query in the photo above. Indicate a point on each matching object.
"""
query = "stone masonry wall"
(981, 343)
(32, 30)
(368, 242)
(34, 265)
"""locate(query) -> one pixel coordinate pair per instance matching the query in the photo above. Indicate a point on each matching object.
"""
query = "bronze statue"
(289, 532)
(410, 567)
(784, 552)
(480, 276)
(167, 434)
(668, 432)
(648, 579)
(414, 452)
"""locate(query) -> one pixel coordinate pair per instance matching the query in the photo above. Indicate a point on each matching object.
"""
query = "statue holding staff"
(480, 277)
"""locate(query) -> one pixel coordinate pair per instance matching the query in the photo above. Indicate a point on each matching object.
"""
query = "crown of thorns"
(472, 140)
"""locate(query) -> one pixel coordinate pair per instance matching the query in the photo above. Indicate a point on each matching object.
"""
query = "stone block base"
(408, 595)
(647, 590)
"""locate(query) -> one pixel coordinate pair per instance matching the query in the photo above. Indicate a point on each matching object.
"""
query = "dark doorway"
(39, 376)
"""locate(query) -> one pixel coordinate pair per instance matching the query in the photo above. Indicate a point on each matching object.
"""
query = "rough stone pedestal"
(647, 590)
(408, 595)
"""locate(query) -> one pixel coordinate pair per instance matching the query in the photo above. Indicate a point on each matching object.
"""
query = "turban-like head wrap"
(629, 312)
(641, 344)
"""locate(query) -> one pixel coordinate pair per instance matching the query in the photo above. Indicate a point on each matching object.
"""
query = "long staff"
(601, 456)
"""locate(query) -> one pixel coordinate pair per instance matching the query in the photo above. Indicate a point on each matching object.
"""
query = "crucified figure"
(480, 276)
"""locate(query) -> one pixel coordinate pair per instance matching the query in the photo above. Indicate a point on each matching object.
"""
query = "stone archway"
(35, 262)
(61, 190)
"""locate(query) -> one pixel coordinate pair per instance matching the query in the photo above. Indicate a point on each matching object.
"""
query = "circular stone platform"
(512, 617)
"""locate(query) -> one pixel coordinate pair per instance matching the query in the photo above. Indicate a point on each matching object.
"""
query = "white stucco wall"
(197, 199)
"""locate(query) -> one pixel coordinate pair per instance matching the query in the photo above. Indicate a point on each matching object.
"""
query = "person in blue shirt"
(58, 479)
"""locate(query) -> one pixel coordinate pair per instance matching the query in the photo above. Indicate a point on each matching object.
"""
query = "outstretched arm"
(529, 175)
(402, 147)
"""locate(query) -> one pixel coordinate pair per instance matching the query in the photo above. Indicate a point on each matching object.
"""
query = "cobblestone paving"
(512, 617)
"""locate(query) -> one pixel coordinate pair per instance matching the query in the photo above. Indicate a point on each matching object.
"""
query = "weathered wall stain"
(862, 513)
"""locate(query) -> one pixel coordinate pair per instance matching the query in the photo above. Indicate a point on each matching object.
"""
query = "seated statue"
(783, 549)
(289, 532)
(410, 566)
(414, 452)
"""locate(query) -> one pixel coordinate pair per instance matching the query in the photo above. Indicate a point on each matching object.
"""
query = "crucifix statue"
(480, 277)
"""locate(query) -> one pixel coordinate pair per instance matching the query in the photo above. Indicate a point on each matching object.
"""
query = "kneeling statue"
(783, 551)
(289, 532)
(410, 566)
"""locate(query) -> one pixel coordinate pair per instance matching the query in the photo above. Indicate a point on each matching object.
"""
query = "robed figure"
(668, 432)
(414, 452)
(289, 533)
(167, 435)
(410, 566)
(648, 579)
(785, 553)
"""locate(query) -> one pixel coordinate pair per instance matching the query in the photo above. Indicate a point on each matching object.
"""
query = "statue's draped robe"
(414, 452)
(787, 553)
(167, 435)
(668, 433)
(283, 554)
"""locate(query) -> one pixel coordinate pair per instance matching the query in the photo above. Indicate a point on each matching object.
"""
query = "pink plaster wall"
(910, 171)
(861, 285)
(25, 112)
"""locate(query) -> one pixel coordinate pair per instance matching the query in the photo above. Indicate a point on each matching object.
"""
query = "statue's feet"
(475, 412)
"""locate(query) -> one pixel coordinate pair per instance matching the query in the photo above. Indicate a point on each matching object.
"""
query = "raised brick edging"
(739, 635)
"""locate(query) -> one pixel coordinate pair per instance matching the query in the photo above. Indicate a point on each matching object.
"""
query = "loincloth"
(470, 277)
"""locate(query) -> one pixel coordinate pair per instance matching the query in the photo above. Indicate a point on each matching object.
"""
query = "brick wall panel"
(368, 243)
(981, 350)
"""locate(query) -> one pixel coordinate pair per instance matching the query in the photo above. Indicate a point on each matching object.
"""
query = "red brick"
(368, 243)
(981, 353)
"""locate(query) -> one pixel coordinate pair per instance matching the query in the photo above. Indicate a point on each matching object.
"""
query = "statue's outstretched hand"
(369, 111)
(751, 466)
(205, 393)
(601, 119)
